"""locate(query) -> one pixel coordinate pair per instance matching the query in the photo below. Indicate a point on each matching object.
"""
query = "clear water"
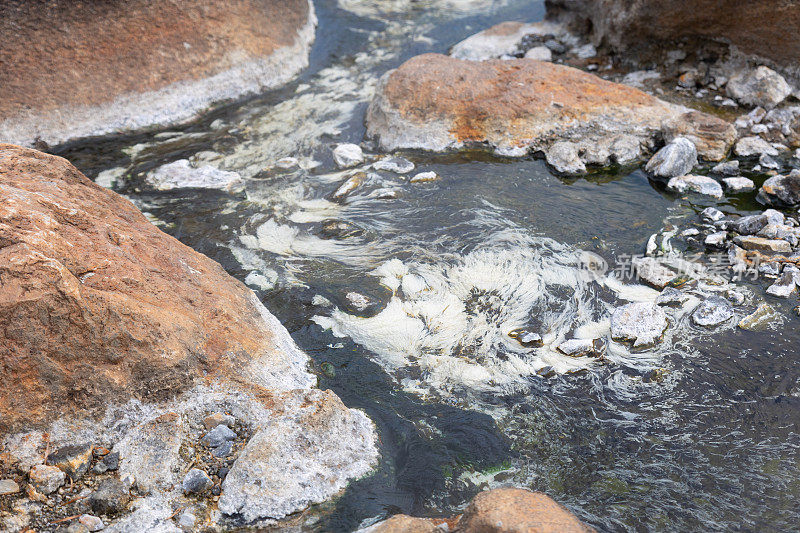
(450, 267)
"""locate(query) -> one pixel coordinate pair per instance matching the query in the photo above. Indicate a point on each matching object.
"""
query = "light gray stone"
(712, 214)
(181, 175)
(754, 146)
(760, 87)
(785, 286)
(398, 165)
(348, 155)
(217, 436)
(215, 419)
(423, 177)
(713, 311)
(748, 225)
(92, 523)
(46, 478)
(717, 239)
(739, 184)
(150, 452)
(563, 156)
(540, 53)
(641, 323)
(727, 168)
(677, 158)
(8, 486)
(760, 244)
(671, 297)
(652, 272)
(582, 347)
(696, 184)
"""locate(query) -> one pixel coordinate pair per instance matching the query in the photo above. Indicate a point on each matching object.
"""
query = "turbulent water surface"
(446, 269)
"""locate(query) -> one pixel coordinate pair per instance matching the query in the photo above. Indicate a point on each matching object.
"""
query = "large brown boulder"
(505, 510)
(98, 306)
(435, 102)
(763, 28)
(76, 69)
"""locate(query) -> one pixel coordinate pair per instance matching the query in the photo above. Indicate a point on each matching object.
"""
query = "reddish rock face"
(763, 27)
(437, 102)
(61, 59)
(97, 305)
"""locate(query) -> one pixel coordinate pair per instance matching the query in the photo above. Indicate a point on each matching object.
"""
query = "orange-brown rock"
(75, 69)
(435, 102)
(505, 510)
(99, 306)
(646, 28)
(712, 136)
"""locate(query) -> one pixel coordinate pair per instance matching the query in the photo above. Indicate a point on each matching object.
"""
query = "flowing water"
(448, 269)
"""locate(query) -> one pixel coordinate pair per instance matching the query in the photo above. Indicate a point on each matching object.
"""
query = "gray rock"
(111, 461)
(785, 286)
(187, 520)
(351, 184)
(196, 481)
(677, 158)
(760, 87)
(111, 497)
(74, 460)
(712, 214)
(769, 269)
(782, 232)
(696, 184)
(215, 419)
(652, 272)
(527, 338)
(92, 523)
(754, 146)
(641, 323)
(586, 51)
(781, 190)
(671, 297)
(563, 156)
(223, 450)
(348, 155)
(717, 239)
(398, 165)
(774, 217)
(739, 184)
(759, 319)
(75, 527)
(727, 168)
(748, 225)
(287, 466)
(500, 40)
(582, 347)
(761, 244)
(555, 46)
(8, 486)
(181, 174)
(218, 436)
(768, 162)
(712, 311)
(150, 452)
(46, 478)
(540, 53)
(423, 177)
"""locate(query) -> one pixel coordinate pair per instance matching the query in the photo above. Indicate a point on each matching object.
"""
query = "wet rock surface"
(642, 324)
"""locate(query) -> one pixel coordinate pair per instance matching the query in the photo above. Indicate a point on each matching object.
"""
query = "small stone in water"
(218, 436)
(424, 176)
(348, 155)
(727, 168)
(352, 183)
(196, 482)
(328, 369)
(713, 311)
(358, 301)
(582, 347)
(696, 184)
(716, 239)
(563, 157)
(752, 146)
(749, 225)
(769, 269)
(677, 158)
(671, 297)
(527, 338)
(784, 287)
(712, 214)
(759, 319)
(398, 165)
(641, 323)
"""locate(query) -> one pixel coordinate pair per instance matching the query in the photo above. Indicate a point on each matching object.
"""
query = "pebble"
(727, 168)
(8, 486)
(196, 481)
(75, 527)
(749, 225)
(712, 311)
(774, 217)
(187, 519)
(781, 190)
(215, 419)
(739, 184)
(110, 497)
(768, 162)
(74, 460)
(640, 322)
(587, 51)
(223, 450)
(217, 436)
(286, 163)
(555, 46)
(352, 183)
(348, 155)
(540, 53)
(563, 156)
(769, 269)
(46, 478)
(398, 165)
(424, 176)
(754, 146)
(785, 285)
(677, 158)
(712, 214)
(91, 522)
(696, 184)
(671, 297)
(716, 239)
(652, 272)
(527, 338)
(582, 347)
(358, 301)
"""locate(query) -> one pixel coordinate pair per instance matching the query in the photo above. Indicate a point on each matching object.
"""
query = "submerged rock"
(760, 319)
(677, 158)
(563, 156)
(121, 66)
(712, 311)
(739, 184)
(527, 338)
(398, 165)
(181, 175)
(760, 87)
(582, 347)
(641, 323)
(514, 106)
(348, 155)
(696, 184)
